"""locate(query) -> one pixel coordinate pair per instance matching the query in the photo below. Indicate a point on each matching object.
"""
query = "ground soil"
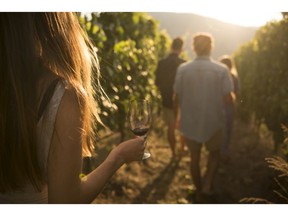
(167, 180)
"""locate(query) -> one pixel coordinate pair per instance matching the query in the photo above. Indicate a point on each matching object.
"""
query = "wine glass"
(140, 120)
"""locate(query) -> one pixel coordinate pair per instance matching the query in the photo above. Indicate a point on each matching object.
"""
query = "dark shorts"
(213, 144)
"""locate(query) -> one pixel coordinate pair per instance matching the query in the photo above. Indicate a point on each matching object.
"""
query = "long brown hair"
(30, 42)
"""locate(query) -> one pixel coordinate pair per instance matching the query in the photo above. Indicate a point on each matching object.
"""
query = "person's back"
(166, 72)
(50, 102)
(201, 87)
(42, 144)
(229, 109)
(165, 77)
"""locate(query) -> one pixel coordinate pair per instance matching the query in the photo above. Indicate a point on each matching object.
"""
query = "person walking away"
(201, 86)
(165, 76)
(229, 109)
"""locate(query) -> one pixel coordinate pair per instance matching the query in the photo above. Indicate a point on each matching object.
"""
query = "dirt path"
(163, 180)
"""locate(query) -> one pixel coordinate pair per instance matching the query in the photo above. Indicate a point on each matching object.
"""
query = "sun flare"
(243, 19)
(240, 12)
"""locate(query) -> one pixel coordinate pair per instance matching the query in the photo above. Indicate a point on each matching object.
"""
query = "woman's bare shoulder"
(69, 107)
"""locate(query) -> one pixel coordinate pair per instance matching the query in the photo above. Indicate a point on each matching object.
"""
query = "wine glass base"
(146, 155)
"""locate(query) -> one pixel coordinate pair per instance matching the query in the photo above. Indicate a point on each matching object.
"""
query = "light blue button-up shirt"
(200, 86)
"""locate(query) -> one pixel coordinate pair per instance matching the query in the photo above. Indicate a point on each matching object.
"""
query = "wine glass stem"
(146, 154)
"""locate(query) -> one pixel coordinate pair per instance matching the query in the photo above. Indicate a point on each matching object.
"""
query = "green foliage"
(263, 68)
(128, 46)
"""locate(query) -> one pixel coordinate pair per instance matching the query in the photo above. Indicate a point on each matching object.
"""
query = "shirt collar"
(203, 58)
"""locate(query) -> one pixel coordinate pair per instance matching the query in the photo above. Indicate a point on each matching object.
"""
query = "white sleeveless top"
(45, 129)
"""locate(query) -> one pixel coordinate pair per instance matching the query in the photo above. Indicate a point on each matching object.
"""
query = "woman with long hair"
(229, 109)
(49, 83)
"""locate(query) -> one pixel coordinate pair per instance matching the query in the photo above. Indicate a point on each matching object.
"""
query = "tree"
(128, 46)
(263, 68)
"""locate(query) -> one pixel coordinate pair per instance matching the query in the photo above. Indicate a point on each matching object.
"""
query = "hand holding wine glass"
(140, 119)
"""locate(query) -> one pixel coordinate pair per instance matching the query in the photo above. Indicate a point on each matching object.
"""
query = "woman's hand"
(128, 151)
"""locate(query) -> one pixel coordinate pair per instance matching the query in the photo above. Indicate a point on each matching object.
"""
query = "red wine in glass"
(140, 131)
(140, 119)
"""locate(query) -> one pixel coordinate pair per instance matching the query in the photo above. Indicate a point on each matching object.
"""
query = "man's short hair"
(177, 43)
(202, 43)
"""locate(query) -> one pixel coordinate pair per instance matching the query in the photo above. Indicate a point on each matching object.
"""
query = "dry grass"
(279, 165)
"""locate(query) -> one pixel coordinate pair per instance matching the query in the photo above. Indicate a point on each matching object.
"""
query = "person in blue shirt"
(201, 86)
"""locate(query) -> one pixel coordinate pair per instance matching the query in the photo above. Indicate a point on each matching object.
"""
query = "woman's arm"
(65, 157)
(127, 151)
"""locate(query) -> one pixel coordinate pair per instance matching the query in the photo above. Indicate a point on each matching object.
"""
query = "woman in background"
(48, 111)
(229, 109)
